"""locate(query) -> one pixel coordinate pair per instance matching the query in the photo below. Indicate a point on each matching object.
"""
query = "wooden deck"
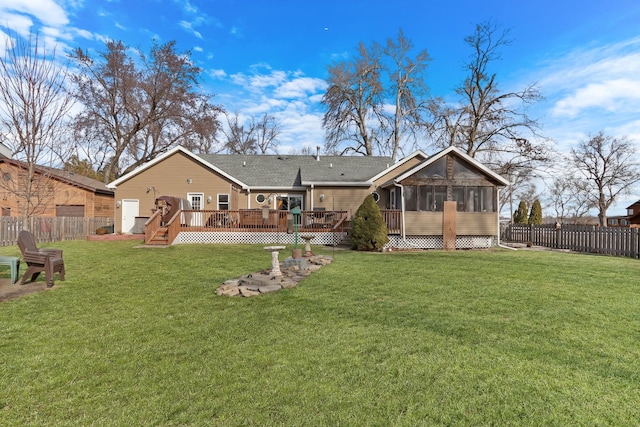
(254, 221)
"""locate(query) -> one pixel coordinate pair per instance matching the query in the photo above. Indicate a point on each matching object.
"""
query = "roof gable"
(177, 149)
(482, 168)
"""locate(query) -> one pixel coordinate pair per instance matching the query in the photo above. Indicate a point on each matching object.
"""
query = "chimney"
(317, 152)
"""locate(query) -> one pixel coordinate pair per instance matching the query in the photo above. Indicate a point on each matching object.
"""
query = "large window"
(474, 199)
(425, 197)
(432, 198)
(288, 202)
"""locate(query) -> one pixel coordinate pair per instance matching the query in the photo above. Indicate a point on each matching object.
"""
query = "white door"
(130, 210)
(196, 201)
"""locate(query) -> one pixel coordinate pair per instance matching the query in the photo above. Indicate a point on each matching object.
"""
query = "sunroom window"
(474, 199)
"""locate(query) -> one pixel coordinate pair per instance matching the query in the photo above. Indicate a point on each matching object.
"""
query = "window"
(288, 202)
(411, 198)
(223, 202)
(196, 200)
(437, 170)
(474, 199)
(425, 197)
(461, 170)
(376, 196)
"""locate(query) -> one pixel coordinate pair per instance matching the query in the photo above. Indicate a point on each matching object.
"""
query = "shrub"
(520, 215)
(535, 217)
(102, 230)
(368, 230)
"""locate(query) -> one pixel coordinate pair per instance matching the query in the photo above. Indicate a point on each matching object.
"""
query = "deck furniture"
(45, 260)
(14, 263)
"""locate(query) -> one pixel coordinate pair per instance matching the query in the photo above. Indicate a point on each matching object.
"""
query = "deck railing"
(393, 219)
(256, 220)
(259, 220)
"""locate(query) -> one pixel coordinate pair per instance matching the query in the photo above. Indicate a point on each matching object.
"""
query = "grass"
(138, 337)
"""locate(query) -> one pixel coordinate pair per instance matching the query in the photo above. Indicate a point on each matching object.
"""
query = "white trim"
(337, 184)
(400, 163)
(460, 153)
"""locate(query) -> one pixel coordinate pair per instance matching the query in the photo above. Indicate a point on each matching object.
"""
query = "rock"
(269, 289)
(262, 282)
(246, 292)
(288, 284)
(233, 283)
(230, 292)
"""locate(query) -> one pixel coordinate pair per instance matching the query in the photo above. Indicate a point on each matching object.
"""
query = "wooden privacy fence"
(50, 229)
(617, 241)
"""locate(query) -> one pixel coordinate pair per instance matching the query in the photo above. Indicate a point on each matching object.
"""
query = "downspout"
(311, 195)
(498, 229)
(404, 235)
(248, 198)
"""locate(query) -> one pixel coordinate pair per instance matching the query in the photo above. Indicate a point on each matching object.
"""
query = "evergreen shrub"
(368, 230)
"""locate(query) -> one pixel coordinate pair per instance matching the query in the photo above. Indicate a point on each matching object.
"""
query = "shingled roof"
(67, 177)
(288, 171)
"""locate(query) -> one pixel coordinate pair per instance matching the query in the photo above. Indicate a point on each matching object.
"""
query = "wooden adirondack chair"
(38, 260)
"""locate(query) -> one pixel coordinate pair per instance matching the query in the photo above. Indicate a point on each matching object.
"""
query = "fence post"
(634, 243)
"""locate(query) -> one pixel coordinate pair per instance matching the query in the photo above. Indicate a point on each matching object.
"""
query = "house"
(250, 198)
(631, 219)
(57, 193)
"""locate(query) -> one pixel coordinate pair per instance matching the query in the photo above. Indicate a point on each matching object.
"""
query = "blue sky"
(272, 56)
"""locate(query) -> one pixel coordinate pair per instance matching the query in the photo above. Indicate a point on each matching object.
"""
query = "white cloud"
(612, 95)
(300, 87)
(46, 11)
(15, 23)
(290, 96)
(604, 78)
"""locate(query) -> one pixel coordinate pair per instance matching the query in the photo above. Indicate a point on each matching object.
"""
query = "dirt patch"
(10, 291)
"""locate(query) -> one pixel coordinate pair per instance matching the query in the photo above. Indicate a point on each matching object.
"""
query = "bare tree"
(256, 136)
(137, 108)
(487, 123)
(407, 89)
(353, 100)
(569, 197)
(268, 129)
(609, 168)
(33, 110)
(376, 101)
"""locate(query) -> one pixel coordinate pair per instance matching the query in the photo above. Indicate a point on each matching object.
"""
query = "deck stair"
(160, 237)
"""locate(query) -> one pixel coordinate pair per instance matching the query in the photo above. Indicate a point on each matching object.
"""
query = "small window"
(223, 202)
(260, 198)
(376, 196)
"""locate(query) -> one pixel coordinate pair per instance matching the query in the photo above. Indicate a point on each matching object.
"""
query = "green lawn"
(138, 337)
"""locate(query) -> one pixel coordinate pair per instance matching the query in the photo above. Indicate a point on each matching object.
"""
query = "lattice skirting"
(435, 242)
(255, 238)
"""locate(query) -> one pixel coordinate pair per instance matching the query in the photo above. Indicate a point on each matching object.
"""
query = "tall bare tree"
(353, 100)
(407, 89)
(253, 137)
(609, 167)
(34, 105)
(377, 100)
(137, 108)
(488, 123)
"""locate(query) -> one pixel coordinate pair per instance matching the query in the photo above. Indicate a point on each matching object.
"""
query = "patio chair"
(38, 260)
